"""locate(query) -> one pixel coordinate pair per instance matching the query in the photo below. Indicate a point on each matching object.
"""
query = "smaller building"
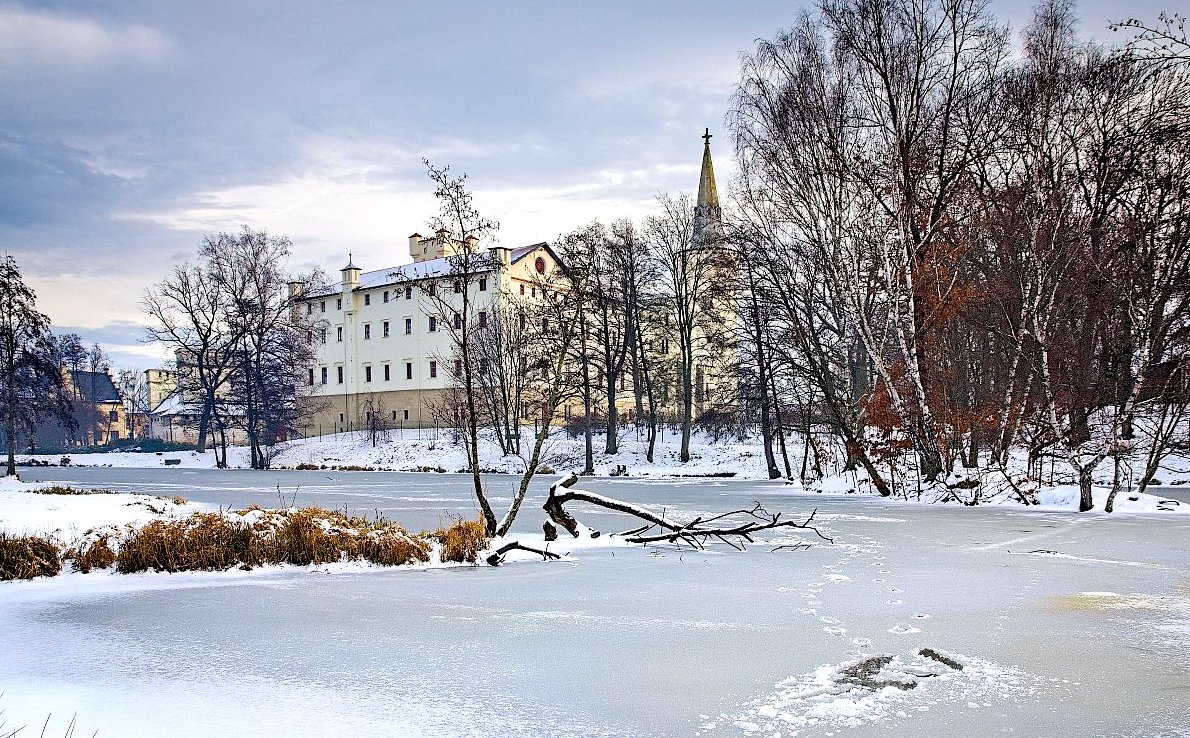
(98, 407)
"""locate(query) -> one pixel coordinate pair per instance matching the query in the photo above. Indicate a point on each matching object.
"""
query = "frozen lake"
(636, 642)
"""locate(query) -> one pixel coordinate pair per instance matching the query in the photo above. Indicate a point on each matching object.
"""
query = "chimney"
(415, 247)
(472, 244)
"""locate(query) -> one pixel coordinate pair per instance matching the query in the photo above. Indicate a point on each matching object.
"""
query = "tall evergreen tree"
(30, 381)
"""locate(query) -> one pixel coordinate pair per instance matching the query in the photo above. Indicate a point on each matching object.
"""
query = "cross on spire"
(707, 137)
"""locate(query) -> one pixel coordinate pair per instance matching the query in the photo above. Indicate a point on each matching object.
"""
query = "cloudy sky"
(130, 128)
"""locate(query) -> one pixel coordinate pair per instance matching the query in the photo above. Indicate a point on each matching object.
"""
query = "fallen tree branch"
(497, 557)
(734, 528)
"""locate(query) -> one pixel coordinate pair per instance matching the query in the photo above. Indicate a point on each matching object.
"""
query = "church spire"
(707, 222)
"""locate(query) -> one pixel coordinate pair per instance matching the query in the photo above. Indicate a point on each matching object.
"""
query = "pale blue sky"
(128, 129)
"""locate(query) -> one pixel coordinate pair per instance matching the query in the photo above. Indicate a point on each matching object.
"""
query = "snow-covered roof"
(429, 269)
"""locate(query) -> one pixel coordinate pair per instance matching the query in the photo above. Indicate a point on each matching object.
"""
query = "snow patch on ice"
(830, 698)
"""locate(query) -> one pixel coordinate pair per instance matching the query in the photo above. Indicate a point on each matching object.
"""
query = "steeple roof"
(708, 223)
(708, 196)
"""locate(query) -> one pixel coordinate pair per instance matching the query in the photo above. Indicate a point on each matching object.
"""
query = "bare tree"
(274, 341)
(465, 228)
(188, 311)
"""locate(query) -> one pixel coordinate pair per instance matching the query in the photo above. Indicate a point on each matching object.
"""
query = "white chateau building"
(385, 347)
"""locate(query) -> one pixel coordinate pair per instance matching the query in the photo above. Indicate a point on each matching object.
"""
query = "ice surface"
(1066, 624)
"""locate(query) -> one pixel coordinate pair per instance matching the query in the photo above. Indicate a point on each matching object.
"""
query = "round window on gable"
(539, 265)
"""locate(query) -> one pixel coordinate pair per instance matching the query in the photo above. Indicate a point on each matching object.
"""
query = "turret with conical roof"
(708, 225)
(350, 276)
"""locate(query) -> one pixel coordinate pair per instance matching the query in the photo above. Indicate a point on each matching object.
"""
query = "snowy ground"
(1064, 624)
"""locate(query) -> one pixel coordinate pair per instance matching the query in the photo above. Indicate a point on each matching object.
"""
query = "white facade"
(389, 346)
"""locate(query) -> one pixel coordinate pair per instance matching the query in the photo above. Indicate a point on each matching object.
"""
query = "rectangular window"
(483, 319)
(367, 298)
(521, 318)
(113, 415)
(408, 326)
(394, 414)
(522, 289)
(322, 335)
(339, 333)
(458, 286)
(309, 308)
(408, 370)
(386, 373)
(340, 417)
(458, 367)
(311, 375)
(367, 331)
(339, 370)
(324, 375)
(458, 321)
(408, 293)
(406, 415)
(367, 374)
(386, 295)
(386, 329)
(483, 284)
(338, 303)
(433, 369)
(433, 324)
(432, 289)
(322, 306)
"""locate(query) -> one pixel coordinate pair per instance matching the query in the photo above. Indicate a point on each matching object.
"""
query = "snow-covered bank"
(427, 451)
(26, 510)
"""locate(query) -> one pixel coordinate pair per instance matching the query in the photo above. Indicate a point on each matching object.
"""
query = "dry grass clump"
(210, 541)
(98, 554)
(26, 557)
(61, 489)
(316, 536)
(462, 541)
(201, 541)
(394, 547)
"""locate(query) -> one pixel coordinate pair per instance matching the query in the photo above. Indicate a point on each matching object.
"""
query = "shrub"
(462, 541)
(26, 557)
(97, 555)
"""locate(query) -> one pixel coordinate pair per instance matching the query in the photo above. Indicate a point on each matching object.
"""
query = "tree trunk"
(11, 441)
(611, 443)
(1085, 500)
(687, 414)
